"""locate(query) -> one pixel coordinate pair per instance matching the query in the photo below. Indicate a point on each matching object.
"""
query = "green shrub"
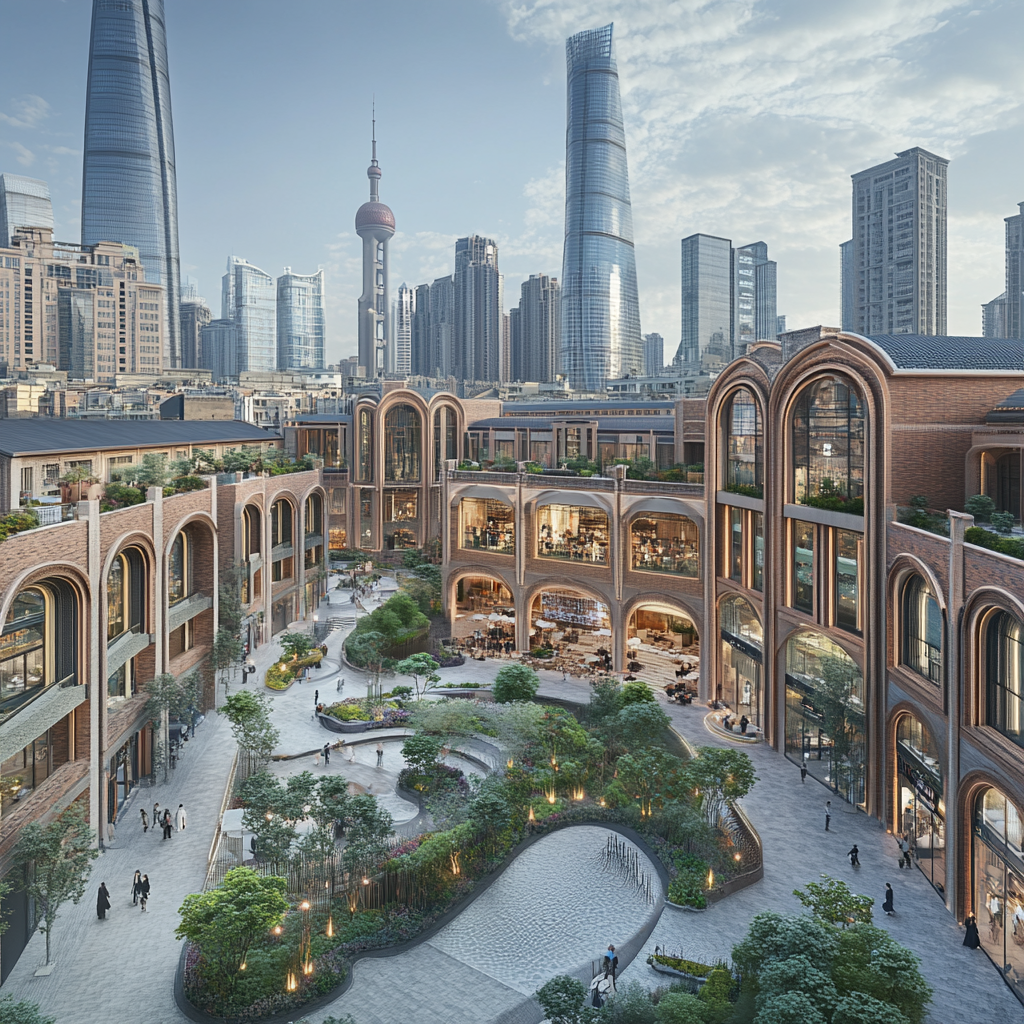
(679, 1008)
(687, 888)
(981, 506)
(22, 1012)
(279, 676)
(515, 683)
(692, 967)
(16, 522)
(834, 503)
(1012, 546)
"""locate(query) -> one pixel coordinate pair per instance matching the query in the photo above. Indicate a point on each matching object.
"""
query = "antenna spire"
(373, 171)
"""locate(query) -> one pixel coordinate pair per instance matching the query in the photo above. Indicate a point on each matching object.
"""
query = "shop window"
(314, 516)
(574, 532)
(400, 539)
(446, 444)
(366, 523)
(26, 770)
(402, 444)
(281, 523)
(848, 548)
(1004, 676)
(665, 543)
(742, 658)
(126, 587)
(121, 683)
(337, 538)
(827, 436)
(802, 566)
(922, 818)
(282, 569)
(180, 640)
(179, 569)
(314, 556)
(401, 506)
(488, 524)
(745, 445)
(921, 630)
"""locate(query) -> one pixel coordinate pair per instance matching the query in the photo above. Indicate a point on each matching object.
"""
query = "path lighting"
(269, 816)
(303, 905)
(242, 966)
(292, 983)
(530, 818)
(353, 902)
(578, 793)
(278, 929)
(366, 881)
(456, 867)
(330, 927)
(736, 856)
(711, 878)
(510, 762)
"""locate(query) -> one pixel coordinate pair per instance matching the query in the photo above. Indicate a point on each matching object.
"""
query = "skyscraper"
(477, 309)
(993, 318)
(899, 245)
(847, 288)
(1013, 322)
(375, 224)
(219, 350)
(600, 305)
(129, 193)
(249, 299)
(419, 343)
(300, 321)
(535, 327)
(195, 315)
(400, 349)
(754, 296)
(707, 298)
(442, 327)
(24, 203)
(654, 354)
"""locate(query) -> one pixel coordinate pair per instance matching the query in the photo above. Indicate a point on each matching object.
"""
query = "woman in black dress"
(971, 939)
(102, 901)
(887, 905)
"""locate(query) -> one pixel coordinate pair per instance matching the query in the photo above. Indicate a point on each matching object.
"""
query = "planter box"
(663, 969)
(688, 908)
(333, 724)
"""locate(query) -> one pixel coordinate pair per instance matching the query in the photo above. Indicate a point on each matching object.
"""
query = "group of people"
(656, 554)
(729, 719)
(586, 546)
(493, 537)
(139, 894)
(163, 819)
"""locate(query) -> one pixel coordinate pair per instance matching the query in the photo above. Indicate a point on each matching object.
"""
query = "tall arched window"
(922, 807)
(742, 657)
(828, 442)
(744, 470)
(1004, 676)
(921, 630)
(403, 444)
(252, 530)
(126, 589)
(314, 516)
(364, 447)
(179, 569)
(446, 445)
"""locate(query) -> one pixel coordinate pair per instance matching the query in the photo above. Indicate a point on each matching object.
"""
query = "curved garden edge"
(629, 949)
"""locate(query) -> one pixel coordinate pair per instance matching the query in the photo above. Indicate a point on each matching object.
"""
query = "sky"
(744, 119)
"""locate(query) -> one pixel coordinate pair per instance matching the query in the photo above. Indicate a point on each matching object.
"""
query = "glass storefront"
(364, 447)
(1004, 676)
(828, 441)
(123, 776)
(742, 659)
(802, 572)
(487, 524)
(998, 864)
(483, 609)
(575, 532)
(403, 444)
(848, 556)
(24, 771)
(825, 713)
(337, 538)
(366, 523)
(922, 809)
(744, 468)
(665, 543)
(569, 608)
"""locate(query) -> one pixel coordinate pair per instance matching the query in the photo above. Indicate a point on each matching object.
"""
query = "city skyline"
(687, 176)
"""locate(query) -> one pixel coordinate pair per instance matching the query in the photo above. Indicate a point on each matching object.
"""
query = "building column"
(268, 569)
(299, 564)
(90, 512)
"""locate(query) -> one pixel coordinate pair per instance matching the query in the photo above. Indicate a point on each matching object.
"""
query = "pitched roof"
(1009, 410)
(43, 436)
(950, 353)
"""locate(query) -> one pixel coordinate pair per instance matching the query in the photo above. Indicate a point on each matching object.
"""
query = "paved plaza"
(553, 905)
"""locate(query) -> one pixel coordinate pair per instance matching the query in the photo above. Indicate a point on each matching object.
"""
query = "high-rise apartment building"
(400, 350)
(420, 358)
(249, 300)
(375, 224)
(780, 324)
(477, 309)
(195, 315)
(899, 245)
(707, 298)
(993, 318)
(219, 350)
(600, 306)
(847, 290)
(300, 321)
(442, 327)
(1013, 323)
(535, 328)
(129, 192)
(87, 309)
(754, 296)
(654, 354)
(24, 203)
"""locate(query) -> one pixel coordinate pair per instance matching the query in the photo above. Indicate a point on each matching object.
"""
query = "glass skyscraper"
(300, 321)
(24, 203)
(129, 193)
(600, 306)
(249, 300)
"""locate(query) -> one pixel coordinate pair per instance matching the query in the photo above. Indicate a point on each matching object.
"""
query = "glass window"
(24, 771)
(575, 532)
(921, 806)
(745, 445)
(540, 453)
(337, 538)
(828, 442)
(314, 516)
(736, 544)
(921, 630)
(401, 506)
(116, 598)
(366, 524)
(1004, 676)
(251, 531)
(364, 446)
(121, 683)
(281, 523)
(847, 579)
(445, 438)
(179, 569)
(665, 543)
(757, 574)
(803, 566)
(488, 524)
(742, 658)
(402, 444)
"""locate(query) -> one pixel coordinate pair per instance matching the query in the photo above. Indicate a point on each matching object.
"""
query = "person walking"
(380, 754)
(144, 892)
(167, 823)
(744, 722)
(316, 758)
(972, 940)
(904, 846)
(828, 814)
(179, 818)
(327, 754)
(136, 886)
(145, 820)
(854, 856)
(887, 906)
(803, 774)
(102, 901)
(611, 962)
(316, 697)
(157, 822)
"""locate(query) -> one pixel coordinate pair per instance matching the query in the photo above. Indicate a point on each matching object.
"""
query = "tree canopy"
(514, 683)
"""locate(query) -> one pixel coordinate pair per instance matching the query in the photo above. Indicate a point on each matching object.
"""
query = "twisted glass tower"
(129, 193)
(600, 307)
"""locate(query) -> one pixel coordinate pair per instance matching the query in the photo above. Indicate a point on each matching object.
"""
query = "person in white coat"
(179, 818)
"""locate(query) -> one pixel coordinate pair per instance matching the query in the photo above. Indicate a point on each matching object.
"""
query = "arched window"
(251, 531)
(126, 589)
(446, 445)
(1004, 676)
(487, 523)
(828, 443)
(179, 569)
(744, 469)
(921, 630)
(314, 516)
(575, 532)
(364, 447)
(402, 444)
(665, 543)
(922, 807)
(742, 658)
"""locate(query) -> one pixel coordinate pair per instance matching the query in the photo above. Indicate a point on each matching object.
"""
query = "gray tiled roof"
(951, 352)
(623, 424)
(40, 436)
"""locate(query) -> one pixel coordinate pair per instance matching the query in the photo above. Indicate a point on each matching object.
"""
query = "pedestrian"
(145, 820)
(167, 823)
(380, 754)
(744, 722)
(144, 892)
(341, 683)
(136, 886)
(828, 813)
(972, 940)
(803, 774)
(102, 902)
(156, 816)
(854, 856)
(901, 842)
(611, 962)
(179, 818)
(327, 754)
(316, 697)
(351, 756)
(887, 906)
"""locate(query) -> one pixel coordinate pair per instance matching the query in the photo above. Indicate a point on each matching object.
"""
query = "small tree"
(227, 649)
(651, 775)
(226, 921)
(296, 645)
(56, 858)
(422, 752)
(981, 506)
(417, 665)
(249, 715)
(369, 826)
(719, 776)
(831, 900)
(640, 725)
(562, 998)
(22, 1012)
(167, 696)
(369, 649)
(515, 682)
(1003, 521)
(636, 693)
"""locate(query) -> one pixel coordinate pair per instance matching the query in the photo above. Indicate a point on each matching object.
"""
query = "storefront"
(487, 524)
(401, 519)
(662, 647)
(575, 628)
(741, 685)
(574, 532)
(665, 543)
(922, 809)
(484, 614)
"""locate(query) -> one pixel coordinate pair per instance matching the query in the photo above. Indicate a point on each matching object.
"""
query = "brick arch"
(904, 709)
(284, 494)
(652, 597)
(749, 376)
(144, 543)
(39, 573)
(840, 641)
(202, 518)
(903, 567)
(554, 496)
(978, 608)
(652, 506)
(463, 572)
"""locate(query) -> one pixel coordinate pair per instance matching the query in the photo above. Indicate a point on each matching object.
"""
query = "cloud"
(29, 112)
(25, 156)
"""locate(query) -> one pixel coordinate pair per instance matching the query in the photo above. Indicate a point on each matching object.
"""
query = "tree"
(296, 645)
(842, 716)
(831, 900)
(1003, 521)
(562, 998)
(22, 1012)
(515, 682)
(229, 604)
(637, 693)
(55, 859)
(249, 715)
(368, 650)
(981, 506)
(168, 696)
(774, 936)
(798, 974)
(605, 699)
(650, 774)
(640, 725)
(860, 1008)
(490, 810)
(719, 776)
(417, 665)
(227, 649)
(422, 752)
(226, 921)
(679, 1008)
(369, 826)
(790, 1008)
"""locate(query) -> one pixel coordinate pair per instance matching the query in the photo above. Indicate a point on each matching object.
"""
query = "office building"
(754, 297)
(219, 349)
(300, 321)
(375, 224)
(1014, 322)
(442, 327)
(847, 278)
(249, 299)
(993, 318)
(535, 330)
(654, 355)
(195, 315)
(600, 306)
(899, 245)
(129, 194)
(478, 309)
(419, 341)
(400, 349)
(707, 299)
(24, 203)
(780, 325)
